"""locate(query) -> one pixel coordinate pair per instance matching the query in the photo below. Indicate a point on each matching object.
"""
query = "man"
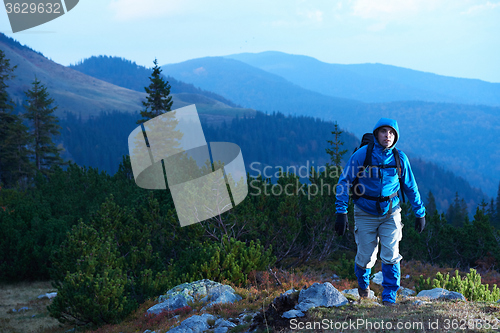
(377, 214)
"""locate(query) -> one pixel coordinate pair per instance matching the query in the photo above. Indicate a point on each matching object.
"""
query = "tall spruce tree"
(497, 209)
(158, 100)
(14, 162)
(431, 207)
(44, 126)
(335, 151)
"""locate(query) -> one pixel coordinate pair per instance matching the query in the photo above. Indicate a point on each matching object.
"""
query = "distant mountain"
(72, 91)
(127, 74)
(372, 82)
(87, 96)
(255, 88)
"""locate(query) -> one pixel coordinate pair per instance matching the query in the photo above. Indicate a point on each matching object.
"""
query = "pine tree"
(39, 112)
(14, 163)
(431, 207)
(158, 100)
(335, 152)
(497, 208)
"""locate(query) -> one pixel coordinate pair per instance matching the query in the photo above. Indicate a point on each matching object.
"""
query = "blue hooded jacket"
(381, 181)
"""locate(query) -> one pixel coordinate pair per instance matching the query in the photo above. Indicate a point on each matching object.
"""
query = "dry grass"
(36, 319)
(367, 317)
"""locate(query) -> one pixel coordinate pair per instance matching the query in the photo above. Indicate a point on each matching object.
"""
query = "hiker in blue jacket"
(377, 213)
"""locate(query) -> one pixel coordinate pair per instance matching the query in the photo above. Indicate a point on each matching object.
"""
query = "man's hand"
(420, 224)
(341, 224)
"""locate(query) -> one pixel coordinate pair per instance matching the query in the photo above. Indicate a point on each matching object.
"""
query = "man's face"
(386, 136)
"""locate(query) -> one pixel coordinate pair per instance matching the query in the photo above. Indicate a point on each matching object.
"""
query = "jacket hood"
(387, 122)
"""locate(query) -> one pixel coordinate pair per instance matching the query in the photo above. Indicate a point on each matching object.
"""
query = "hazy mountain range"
(222, 88)
(87, 95)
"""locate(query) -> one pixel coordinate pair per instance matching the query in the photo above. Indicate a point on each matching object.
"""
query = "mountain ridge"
(372, 82)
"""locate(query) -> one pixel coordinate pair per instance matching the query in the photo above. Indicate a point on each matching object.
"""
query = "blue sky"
(459, 38)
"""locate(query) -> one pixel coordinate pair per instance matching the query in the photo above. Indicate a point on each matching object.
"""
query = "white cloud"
(389, 9)
(132, 9)
(480, 8)
(314, 15)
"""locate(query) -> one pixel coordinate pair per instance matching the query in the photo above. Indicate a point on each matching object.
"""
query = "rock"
(288, 292)
(179, 296)
(440, 293)
(48, 295)
(406, 291)
(195, 289)
(176, 302)
(335, 278)
(293, 314)
(378, 278)
(354, 292)
(23, 309)
(149, 331)
(320, 295)
(193, 324)
(420, 302)
(221, 294)
(407, 276)
(222, 325)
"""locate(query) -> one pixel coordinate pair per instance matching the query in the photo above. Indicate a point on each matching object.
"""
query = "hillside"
(252, 87)
(127, 74)
(266, 141)
(73, 91)
(372, 83)
(86, 96)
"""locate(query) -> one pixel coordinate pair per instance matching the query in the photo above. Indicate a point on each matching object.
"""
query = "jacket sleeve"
(345, 181)
(410, 187)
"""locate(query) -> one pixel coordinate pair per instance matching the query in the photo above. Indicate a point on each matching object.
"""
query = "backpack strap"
(397, 158)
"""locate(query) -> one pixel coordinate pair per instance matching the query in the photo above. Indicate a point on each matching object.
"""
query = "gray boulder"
(209, 291)
(176, 302)
(48, 295)
(354, 292)
(292, 314)
(440, 293)
(406, 291)
(220, 294)
(196, 289)
(378, 278)
(316, 295)
(193, 324)
(222, 325)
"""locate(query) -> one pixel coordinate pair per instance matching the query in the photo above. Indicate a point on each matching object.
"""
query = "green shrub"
(345, 268)
(470, 286)
(231, 260)
(105, 268)
(423, 284)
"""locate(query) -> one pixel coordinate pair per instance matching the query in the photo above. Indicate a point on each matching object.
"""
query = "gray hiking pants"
(369, 229)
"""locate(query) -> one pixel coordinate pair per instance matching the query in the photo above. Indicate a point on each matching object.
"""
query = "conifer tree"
(431, 207)
(158, 100)
(39, 112)
(14, 163)
(497, 208)
(335, 152)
